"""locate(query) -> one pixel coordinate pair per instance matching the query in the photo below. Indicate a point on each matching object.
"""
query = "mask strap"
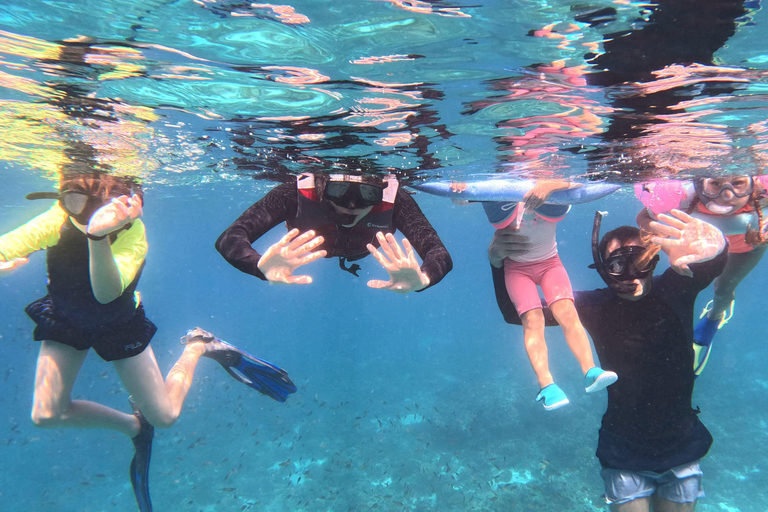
(42, 195)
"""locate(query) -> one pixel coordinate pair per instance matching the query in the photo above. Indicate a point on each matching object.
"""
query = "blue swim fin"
(703, 336)
(262, 376)
(142, 444)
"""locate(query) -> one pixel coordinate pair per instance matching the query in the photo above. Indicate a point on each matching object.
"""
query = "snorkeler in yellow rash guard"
(96, 247)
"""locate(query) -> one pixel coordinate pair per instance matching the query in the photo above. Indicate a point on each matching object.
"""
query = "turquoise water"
(422, 402)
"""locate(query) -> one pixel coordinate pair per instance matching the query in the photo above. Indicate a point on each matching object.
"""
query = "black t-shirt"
(650, 423)
(281, 205)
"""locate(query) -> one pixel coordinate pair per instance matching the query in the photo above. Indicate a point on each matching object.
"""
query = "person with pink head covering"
(734, 205)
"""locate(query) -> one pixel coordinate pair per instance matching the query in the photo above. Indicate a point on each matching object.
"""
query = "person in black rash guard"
(348, 216)
(651, 439)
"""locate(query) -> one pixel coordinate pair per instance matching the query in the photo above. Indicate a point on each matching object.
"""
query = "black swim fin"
(142, 444)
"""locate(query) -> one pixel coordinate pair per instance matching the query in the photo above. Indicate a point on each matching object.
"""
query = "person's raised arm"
(644, 219)
(542, 189)
(37, 234)
(6, 267)
(107, 279)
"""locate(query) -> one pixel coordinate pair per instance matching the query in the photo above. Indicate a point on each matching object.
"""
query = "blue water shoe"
(598, 379)
(553, 397)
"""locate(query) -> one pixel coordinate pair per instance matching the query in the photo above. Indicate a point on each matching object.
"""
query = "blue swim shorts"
(681, 484)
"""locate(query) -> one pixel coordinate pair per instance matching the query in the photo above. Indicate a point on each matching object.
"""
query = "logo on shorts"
(132, 346)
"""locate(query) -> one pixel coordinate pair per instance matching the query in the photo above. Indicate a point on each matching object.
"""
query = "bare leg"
(738, 267)
(160, 401)
(536, 346)
(52, 404)
(638, 505)
(575, 335)
(660, 505)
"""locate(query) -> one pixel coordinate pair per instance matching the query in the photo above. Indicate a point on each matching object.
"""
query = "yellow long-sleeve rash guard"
(128, 250)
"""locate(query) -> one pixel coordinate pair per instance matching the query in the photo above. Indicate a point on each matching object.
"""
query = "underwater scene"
(333, 220)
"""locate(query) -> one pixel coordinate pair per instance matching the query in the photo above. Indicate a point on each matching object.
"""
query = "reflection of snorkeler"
(540, 266)
(96, 247)
(338, 215)
(734, 205)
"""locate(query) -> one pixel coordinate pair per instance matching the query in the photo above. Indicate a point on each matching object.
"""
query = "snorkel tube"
(596, 257)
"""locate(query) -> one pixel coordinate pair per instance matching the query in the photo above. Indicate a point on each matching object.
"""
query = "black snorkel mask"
(619, 269)
(352, 192)
(78, 204)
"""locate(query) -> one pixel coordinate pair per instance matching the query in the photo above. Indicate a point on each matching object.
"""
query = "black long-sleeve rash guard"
(281, 205)
(650, 424)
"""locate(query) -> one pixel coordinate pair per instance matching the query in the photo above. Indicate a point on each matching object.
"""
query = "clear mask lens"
(713, 188)
(621, 264)
(353, 195)
(74, 203)
(336, 190)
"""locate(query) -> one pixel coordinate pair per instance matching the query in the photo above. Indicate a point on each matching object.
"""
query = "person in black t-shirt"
(651, 439)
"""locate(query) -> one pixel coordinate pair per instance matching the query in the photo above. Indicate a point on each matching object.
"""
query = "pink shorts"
(523, 278)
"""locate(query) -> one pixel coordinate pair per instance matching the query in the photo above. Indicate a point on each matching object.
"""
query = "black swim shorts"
(118, 340)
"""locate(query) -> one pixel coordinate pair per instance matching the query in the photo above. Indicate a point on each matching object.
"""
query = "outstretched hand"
(291, 252)
(114, 215)
(404, 271)
(6, 267)
(687, 240)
